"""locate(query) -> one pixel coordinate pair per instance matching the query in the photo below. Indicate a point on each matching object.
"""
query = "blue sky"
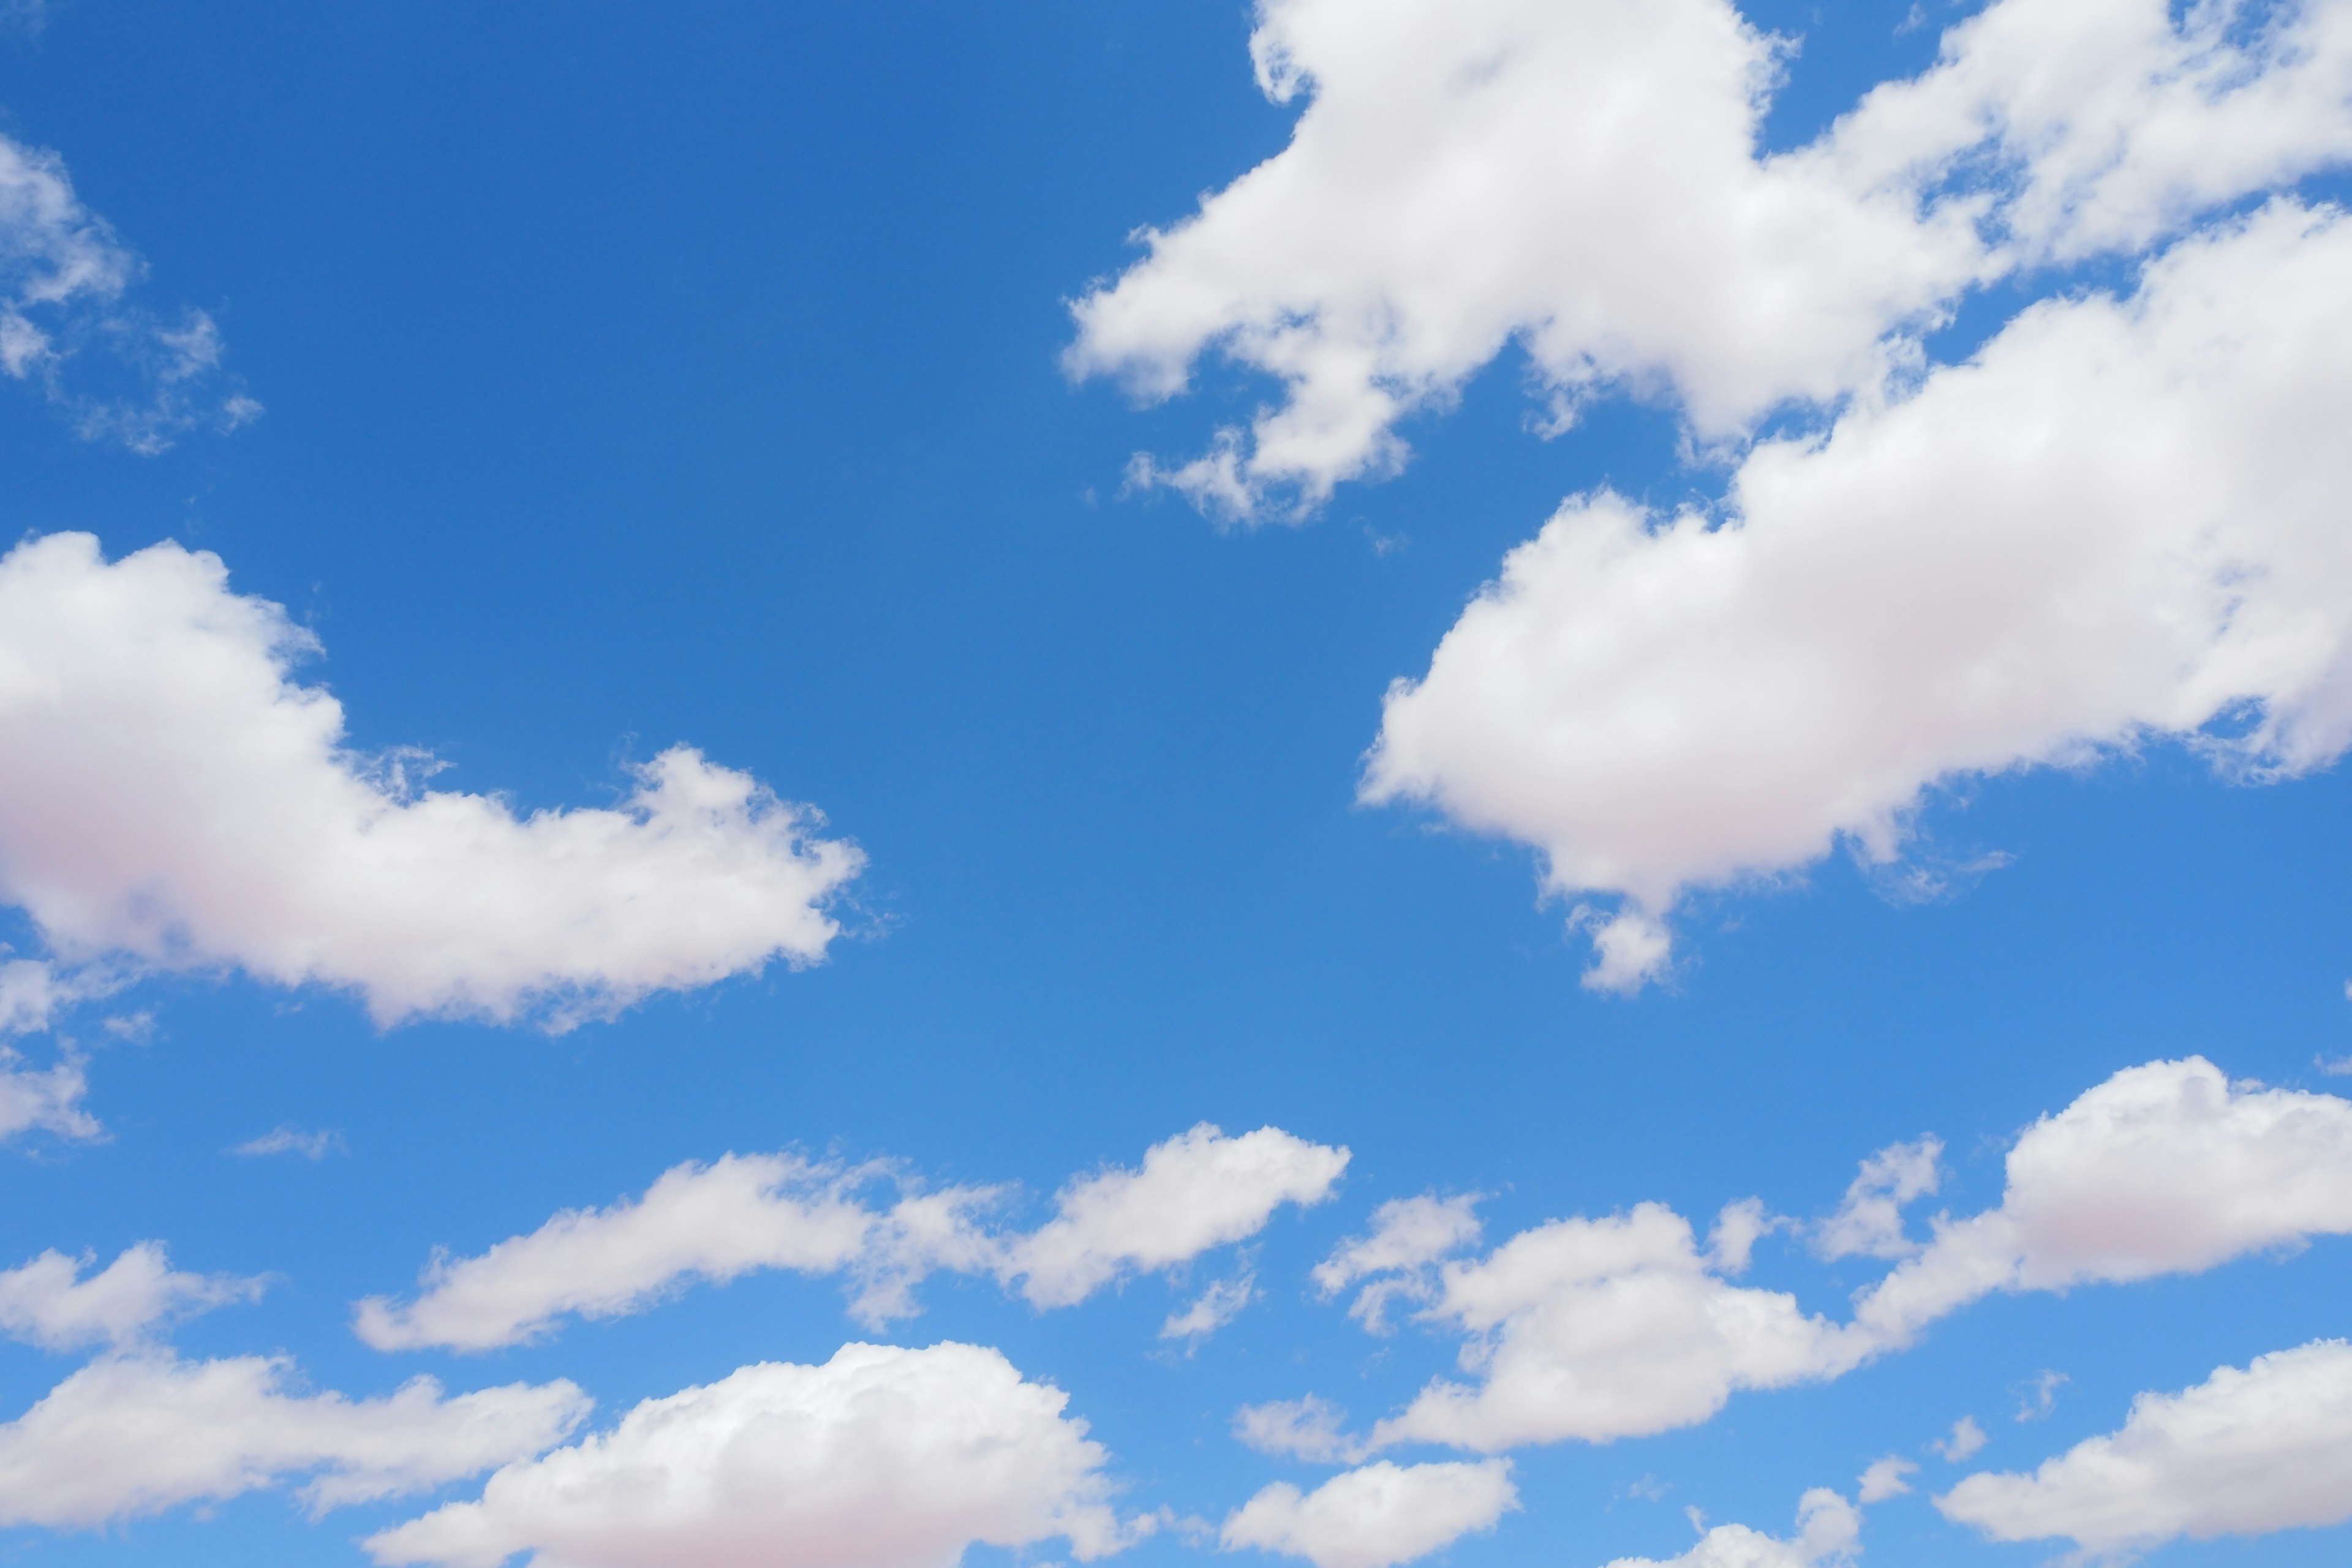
(589, 384)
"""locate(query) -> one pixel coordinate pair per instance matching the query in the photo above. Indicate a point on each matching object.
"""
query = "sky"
(1352, 782)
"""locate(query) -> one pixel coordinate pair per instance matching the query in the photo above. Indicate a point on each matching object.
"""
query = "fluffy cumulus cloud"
(68, 326)
(2243, 1453)
(1585, 179)
(171, 797)
(138, 1435)
(1196, 1191)
(1616, 1327)
(1376, 1516)
(2168, 1168)
(711, 1223)
(2118, 521)
(1829, 1531)
(881, 1458)
(47, 1302)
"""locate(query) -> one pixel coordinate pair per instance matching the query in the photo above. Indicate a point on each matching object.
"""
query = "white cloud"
(1966, 1437)
(1220, 1304)
(64, 279)
(1312, 1428)
(1375, 1517)
(2242, 1453)
(1198, 1189)
(1583, 180)
(2117, 522)
(713, 1222)
(291, 1141)
(1886, 1479)
(1829, 1531)
(31, 993)
(881, 1458)
(2112, 123)
(696, 1222)
(1869, 1223)
(47, 1302)
(2039, 1396)
(2164, 1169)
(170, 796)
(49, 1099)
(133, 1436)
(1601, 1329)
(1408, 1235)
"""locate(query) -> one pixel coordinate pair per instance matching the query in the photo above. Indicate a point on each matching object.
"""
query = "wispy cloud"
(72, 327)
(293, 1141)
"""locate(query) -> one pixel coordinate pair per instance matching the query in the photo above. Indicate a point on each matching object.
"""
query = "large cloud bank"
(2116, 522)
(170, 796)
(880, 1457)
(2122, 519)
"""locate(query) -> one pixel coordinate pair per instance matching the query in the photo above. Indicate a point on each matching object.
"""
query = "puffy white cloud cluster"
(1583, 180)
(2118, 521)
(47, 1302)
(2243, 1453)
(64, 282)
(1197, 1191)
(137, 1434)
(881, 1458)
(170, 796)
(1829, 1531)
(1374, 1517)
(1621, 1326)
